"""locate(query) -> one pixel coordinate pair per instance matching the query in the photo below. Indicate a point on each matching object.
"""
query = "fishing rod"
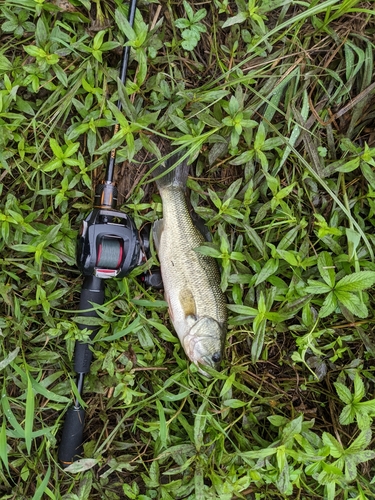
(109, 246)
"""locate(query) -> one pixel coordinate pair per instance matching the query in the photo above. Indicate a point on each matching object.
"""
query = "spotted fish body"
(191, 280)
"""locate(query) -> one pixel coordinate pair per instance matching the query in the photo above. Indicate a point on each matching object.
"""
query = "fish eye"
(216, 357)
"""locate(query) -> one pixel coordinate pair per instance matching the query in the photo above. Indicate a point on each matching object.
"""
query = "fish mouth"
(205, 362)
(201, 361)
(208, 361)
(203, 344)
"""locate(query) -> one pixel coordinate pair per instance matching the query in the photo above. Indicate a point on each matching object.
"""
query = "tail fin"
(174, 172)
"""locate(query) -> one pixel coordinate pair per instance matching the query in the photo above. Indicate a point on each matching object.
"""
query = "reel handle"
(92, 293)
(70, 448)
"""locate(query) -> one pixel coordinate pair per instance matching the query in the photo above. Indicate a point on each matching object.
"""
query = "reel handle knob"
(153, 278)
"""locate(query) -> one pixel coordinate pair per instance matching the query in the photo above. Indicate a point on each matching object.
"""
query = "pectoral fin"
(188, 303)
(157, 229)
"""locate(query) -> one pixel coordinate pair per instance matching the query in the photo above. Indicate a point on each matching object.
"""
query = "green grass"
(274, 106)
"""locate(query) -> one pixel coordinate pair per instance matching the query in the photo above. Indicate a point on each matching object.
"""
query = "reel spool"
(108, 246)
(110, 254)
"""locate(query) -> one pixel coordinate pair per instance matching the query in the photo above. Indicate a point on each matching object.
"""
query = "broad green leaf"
(199, 15)
(349, 166)
(81, 465)
(237, 256)
(361, 442)
(268, 270)
(182, 23)
(288, 256)
(209, 251)
(291, 428)
(328, 306)
(164, 332)
(243, 158)
(369, 174)
(234, 403)
(335, 447)
(343, 393)
(352, 303)
(233, 106)
(259, 326)
(354, 239)
(347, 416)
(24, 248)
(228, 384)
(113, 143)
(53, 235)
(285, 191)
(283, 481)
(71, 149)
(317, 287)
(357, 281)
(123, 24)
(326, 268)
(11, 356)
(350, 469)
(364, 456)
(273, 183)
(98, 39)
(232, 190)
(215, 198)
(57, 151)
(289, 238)
(199, 486)
(189, 11)
(255, 239)
(258, 454)
(278, 317)
(367, 406)
(277, 420)
(262, 308)
(359, 388)
(329, 489)
(245, 310)
(237, 19)
(34, 51)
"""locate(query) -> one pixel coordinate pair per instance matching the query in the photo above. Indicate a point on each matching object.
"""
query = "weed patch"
(272, 103)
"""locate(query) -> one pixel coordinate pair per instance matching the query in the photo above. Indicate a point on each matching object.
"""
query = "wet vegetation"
(273, 103)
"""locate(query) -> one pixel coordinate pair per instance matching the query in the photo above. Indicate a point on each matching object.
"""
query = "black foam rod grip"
(92, 293)
(72, 436)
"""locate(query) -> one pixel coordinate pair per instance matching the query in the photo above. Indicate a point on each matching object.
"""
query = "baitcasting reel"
(109, 245)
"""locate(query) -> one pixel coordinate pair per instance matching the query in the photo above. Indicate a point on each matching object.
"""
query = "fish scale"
(191, 280)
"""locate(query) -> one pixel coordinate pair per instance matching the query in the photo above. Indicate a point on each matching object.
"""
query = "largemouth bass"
(191, 280)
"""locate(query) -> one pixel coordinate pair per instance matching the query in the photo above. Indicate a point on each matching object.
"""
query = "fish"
(191, 281)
